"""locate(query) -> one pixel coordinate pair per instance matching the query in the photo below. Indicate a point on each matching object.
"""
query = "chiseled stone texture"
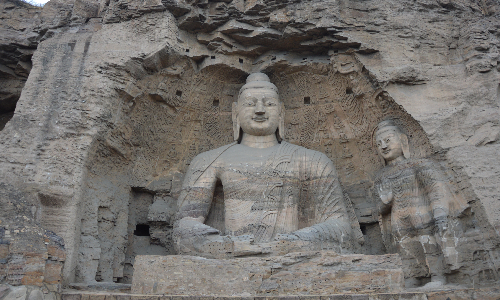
(17, 44)
(272, 191)
(419, 211)
(299, 273)
(451, 294)
(123, 94)
(465, 294)
(27, 292)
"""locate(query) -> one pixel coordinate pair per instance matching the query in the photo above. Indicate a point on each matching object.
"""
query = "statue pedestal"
(299, 273)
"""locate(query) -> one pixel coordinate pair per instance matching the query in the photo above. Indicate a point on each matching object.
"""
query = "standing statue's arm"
(438, 192)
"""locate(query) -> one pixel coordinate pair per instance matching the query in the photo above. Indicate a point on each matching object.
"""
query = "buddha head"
(392, 143)
(259, 111)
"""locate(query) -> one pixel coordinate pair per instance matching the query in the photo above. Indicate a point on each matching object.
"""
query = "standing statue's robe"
(277, 190)
(408, 222)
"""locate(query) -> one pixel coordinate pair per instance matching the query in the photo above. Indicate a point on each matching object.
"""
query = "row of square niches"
(274, 57)
(213, 57)
(307, 100)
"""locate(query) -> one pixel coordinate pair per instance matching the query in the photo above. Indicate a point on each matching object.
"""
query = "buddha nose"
(259, 108)
(383, 145)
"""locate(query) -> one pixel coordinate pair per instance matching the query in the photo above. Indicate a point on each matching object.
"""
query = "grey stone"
(306, 274)
(122, 95)
(417, 201)
(273, 192)
(17, 293)
(36, 294)
(4, 290)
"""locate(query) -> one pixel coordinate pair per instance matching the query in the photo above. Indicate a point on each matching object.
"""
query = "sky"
(40, 1)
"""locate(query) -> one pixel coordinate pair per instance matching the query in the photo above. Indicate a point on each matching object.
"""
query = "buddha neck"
(259, 141)
(396, 160)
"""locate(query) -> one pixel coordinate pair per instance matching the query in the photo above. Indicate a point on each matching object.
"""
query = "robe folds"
(284, 189)
(421, 199)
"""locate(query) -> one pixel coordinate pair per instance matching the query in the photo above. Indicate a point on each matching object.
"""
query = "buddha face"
(259, 111)
(389, 144)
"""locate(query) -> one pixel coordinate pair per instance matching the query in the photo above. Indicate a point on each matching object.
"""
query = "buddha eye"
(270, 103)
(387, 140)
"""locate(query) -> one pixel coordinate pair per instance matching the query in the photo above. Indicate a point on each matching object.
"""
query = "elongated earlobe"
(281, 126)
(405, 145)
(236, 122)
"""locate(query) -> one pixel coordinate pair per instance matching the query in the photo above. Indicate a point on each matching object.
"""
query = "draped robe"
(421, 195)
(278, 190)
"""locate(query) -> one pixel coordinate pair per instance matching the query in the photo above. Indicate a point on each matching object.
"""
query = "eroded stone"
(307, 273)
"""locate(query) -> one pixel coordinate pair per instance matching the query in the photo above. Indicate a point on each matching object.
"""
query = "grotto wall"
(16, 50)
(123, 94)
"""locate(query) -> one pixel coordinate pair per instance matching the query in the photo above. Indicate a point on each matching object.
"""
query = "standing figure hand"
(385, 192)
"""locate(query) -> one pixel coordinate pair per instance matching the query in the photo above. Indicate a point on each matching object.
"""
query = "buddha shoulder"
(203, 160)
(310, 155)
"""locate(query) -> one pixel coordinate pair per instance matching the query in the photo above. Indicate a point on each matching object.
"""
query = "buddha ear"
(236, 122)
(405, 145)
(281, 126)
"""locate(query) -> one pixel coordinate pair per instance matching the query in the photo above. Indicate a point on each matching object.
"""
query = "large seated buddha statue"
(278, 197)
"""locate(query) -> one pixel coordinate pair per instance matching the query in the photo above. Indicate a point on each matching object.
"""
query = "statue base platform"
(299, 273)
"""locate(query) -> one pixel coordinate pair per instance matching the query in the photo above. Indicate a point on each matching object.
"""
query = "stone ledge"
(454, 294)
(101, 286)
(299, 273)
(383, 296)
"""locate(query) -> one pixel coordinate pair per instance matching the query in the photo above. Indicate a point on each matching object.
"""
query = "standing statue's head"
(392, 143)
(259, 111)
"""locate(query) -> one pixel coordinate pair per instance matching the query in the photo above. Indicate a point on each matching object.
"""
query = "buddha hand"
(189, 227)
(385, 192)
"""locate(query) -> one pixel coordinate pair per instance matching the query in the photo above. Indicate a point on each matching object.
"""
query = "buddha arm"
(197, 193)
(194, 204)
(435, 187)
(330, 221)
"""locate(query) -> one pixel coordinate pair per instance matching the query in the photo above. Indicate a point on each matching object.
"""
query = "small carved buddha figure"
(274, 192)
(416, 206)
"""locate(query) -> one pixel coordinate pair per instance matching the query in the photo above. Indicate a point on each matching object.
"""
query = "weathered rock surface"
(307, 273)
(123, 94)
(455, 294)
(28, 292)
(17, 44)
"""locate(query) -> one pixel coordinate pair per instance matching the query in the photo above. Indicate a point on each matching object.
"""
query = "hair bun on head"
(257, 77)
(388, 123)
(258, 81)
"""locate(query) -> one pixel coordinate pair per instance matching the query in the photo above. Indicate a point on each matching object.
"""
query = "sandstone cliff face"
(16, 47)
(123, 94)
